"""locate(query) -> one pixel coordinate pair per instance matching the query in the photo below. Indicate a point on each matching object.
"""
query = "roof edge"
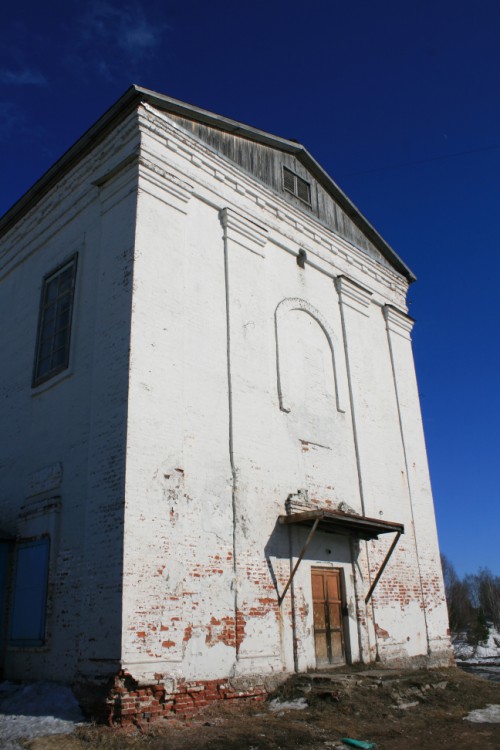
(356, 216)
(123, 106)
(161, 101)
(137, 94)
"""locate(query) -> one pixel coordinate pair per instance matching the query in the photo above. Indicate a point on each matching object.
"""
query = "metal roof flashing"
(132, 98)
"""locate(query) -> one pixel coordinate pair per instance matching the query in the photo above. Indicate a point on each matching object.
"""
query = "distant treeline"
(473, 601)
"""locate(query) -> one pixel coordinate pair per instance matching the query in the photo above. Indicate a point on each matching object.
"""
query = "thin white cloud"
(26, 77)
(140, 36)
(104, 70)
(116, 41)
(12, 120)
(124, 28)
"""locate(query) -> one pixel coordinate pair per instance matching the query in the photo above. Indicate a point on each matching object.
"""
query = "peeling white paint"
(194, 409)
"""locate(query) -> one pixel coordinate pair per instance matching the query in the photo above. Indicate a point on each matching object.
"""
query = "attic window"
(294, 184)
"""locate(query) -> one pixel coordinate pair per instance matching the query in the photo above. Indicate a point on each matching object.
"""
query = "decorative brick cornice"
(116, 169)
(319, 241)
(353, 294)
(397, 321)
(39, 507)
(298, 501)
(243, 230)
(117, 183)
(164, 185)
(44, 480)
(70, 196)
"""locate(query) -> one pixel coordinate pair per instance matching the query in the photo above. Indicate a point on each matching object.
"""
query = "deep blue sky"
(399, 101)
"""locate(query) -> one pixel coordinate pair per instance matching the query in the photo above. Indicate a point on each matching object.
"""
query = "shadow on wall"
(39, 699)
(287, 543)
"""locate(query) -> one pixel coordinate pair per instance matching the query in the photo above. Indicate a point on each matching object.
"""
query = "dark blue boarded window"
(27, 625)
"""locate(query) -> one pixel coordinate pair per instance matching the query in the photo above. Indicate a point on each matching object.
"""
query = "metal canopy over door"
(327, 611)
(349, 524)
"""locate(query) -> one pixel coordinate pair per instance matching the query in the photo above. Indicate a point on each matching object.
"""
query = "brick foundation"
(128, 702)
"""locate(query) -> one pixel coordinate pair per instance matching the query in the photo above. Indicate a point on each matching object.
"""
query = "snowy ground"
(483, 659)
(42, 708)
(489, 649)
(35, 709)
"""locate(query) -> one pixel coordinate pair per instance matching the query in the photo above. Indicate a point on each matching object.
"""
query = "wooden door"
(327, 610)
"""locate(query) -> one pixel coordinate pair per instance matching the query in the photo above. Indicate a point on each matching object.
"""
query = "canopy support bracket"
(299, 560)
(382, 567)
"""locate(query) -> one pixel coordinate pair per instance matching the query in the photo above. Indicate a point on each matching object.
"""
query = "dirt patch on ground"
(403, 710)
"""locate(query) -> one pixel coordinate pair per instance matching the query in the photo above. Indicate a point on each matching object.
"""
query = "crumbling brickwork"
(129, 702)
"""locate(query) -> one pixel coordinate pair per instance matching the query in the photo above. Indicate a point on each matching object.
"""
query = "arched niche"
(284, 307)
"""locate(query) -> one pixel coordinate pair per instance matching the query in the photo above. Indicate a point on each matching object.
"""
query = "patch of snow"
(488, 715)
(488, 649)
(297, 705)
(463, 650)
(36, 709)
(405, 706)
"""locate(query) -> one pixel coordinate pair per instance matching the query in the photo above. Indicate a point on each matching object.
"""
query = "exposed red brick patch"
(381, 633)
(221, 631)
(128, 703)
(240, 628)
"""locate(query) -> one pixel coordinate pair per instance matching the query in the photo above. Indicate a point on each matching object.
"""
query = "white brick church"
(212, 463)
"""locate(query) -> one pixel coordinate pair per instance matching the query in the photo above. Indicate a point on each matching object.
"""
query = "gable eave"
(136, 95)
(174, 106)
(96, 133)
(355, 214)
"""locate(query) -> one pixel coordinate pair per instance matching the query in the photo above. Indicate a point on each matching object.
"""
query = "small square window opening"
(294, 184)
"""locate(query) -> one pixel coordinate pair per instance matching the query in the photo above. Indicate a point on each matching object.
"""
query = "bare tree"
(458, 599)
(484, 592)
(449, 574)
(472, 602)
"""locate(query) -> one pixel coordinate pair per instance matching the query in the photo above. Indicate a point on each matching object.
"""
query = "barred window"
(294, 184)
(54, 323)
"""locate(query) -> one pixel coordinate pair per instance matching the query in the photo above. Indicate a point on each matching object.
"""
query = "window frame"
(37, 377)
(295, 191)
(40, 640)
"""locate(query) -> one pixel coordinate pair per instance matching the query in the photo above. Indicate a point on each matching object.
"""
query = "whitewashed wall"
(62, 445)
(210, 379)
(219, 434)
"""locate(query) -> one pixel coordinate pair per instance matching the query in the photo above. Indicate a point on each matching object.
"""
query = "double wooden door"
(328, 606)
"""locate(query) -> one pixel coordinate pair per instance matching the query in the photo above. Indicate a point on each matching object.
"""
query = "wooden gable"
(262, 154)
(267, 164)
